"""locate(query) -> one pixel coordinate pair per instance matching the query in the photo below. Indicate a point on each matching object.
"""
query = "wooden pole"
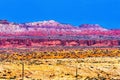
(76, 67)
(22, 70)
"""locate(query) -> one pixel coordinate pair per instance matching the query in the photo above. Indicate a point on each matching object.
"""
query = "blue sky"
(76, 12)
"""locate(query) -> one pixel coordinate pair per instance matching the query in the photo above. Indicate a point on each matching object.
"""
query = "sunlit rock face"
(53, 33)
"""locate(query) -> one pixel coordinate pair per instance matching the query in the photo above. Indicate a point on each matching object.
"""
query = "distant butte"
(52, 33)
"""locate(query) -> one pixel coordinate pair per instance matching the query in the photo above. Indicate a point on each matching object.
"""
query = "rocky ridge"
(52, 33)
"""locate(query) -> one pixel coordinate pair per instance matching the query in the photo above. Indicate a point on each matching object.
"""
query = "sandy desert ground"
(94, 68)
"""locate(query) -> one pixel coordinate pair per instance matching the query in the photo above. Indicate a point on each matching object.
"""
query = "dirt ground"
(94, 68)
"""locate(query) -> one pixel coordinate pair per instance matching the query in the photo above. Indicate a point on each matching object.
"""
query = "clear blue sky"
(75, 12)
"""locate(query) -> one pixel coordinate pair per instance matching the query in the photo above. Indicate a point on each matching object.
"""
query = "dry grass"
(95, 68)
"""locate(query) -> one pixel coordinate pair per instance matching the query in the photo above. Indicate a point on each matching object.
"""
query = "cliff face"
(52, 33)
(45, 42)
